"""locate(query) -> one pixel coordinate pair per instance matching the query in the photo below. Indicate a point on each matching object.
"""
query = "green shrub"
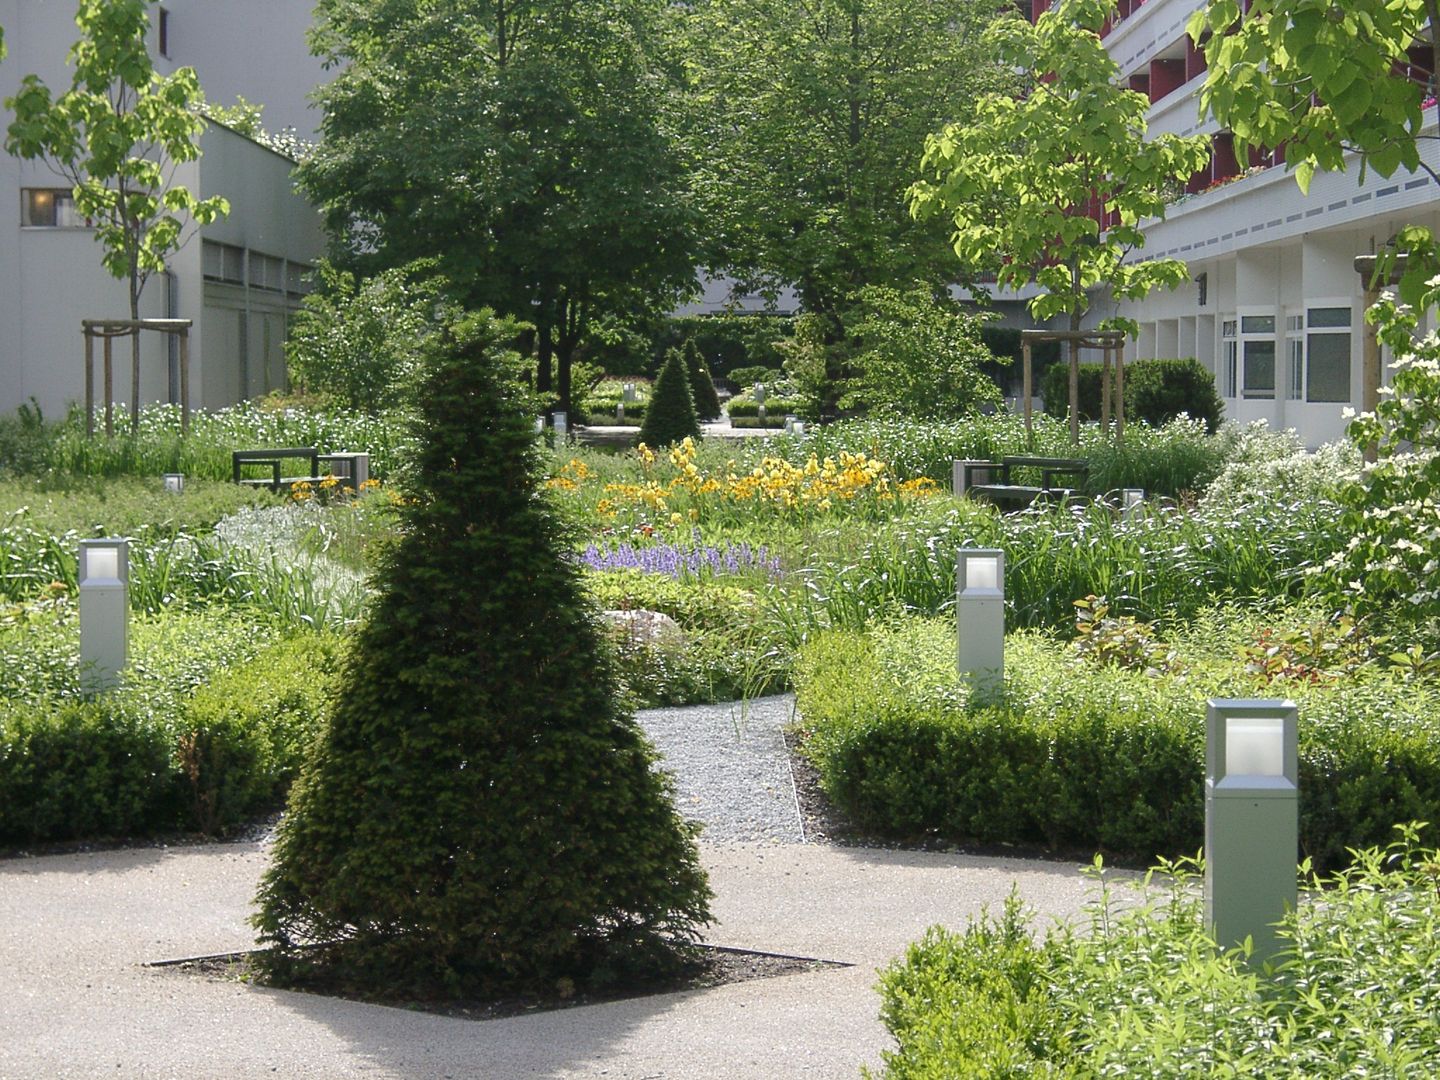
(1085, 755)
(357, 341)
(478, 812)
(1139, 989)
(747, 377)
(1157, 391)
(107, 767)
(743, 407)
(702, 387)
(83, 769)
(671, 416)
(242, 736)
(917, 355)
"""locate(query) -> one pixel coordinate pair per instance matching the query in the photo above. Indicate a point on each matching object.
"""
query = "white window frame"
(1348, 332)
(1258, 337)
(1229, 354)
(1294, 355)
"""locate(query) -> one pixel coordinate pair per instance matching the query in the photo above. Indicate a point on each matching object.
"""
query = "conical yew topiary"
(670, 416)
(702, 386)
(479, 814)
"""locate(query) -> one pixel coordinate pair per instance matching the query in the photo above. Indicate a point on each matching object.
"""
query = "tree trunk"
(134, 357)
(544, 352)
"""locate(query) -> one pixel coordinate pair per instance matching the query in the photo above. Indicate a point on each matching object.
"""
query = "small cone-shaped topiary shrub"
(479, 814)
(670, 416)
(702, 386)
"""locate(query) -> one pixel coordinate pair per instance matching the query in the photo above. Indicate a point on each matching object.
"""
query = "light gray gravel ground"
(731, 768)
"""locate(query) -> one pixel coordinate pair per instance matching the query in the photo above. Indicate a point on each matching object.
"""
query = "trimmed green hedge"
(152, 755)
(1086, 756)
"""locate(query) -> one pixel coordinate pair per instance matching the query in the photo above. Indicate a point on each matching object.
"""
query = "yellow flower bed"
(674, 487)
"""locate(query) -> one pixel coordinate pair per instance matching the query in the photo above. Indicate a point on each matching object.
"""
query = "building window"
(1295, 354)
(1259, 355)
(1228, 354)
(163, 31)
(49, 208)
(1328, 347)
(267, 272)
(222, 262)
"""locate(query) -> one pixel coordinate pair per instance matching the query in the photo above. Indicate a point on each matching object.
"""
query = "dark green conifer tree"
(670, 415)
(480, 814)
(702, 386)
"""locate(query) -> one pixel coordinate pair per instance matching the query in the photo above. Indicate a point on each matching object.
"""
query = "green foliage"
(1138, 988)
(1081, 754)
(1318, 79)
(744, 410)
(727, 341)
(156, 444)
(812, 365)
(804, 123)
(206, 728)
(917, 355)
(1121, 640)
(114, 135)
(1388, 566)
(244, 734)
(479, 812)
(523, 147)
(1017, 178)
(358, 341)
(1156, 391)
(702, 387)
(746, 377)
(670, 417)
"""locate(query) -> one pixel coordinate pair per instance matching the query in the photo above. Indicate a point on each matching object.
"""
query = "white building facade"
(238, 279)
(1275, 307)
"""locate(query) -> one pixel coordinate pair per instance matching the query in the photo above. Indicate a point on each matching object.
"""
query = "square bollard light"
(1252, 821)
(175, 483)
(1132, 503)
(104, 574)
(620, 413)
(539, 425)
(561, 423)
(980, 621)
(798, 429)
(627, 393)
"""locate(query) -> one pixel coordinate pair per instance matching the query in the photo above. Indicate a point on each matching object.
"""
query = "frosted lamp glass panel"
(1255, 746)
(102, 562)
(982, 572)
(1134, 496)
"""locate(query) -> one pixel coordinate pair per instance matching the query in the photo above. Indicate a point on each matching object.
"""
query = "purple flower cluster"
(678, 562)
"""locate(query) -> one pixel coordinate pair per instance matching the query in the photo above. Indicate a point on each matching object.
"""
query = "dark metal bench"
(995, 477)
(271, 459)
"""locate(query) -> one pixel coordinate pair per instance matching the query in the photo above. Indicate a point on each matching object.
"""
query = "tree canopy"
(805, 123)
(519, 142)
(1020, 177)
(115, 136)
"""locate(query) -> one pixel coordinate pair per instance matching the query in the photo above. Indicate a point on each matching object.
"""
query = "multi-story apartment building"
(1275, 307)
(238, 279)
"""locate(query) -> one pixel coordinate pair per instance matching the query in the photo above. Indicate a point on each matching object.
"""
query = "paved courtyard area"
(77, 1001)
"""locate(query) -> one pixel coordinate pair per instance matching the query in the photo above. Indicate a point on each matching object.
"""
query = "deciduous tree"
(804, 123)
(520, 142)
(1020, 179)
(116, 136)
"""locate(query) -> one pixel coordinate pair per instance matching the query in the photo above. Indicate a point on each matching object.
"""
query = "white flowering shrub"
(1392, 510)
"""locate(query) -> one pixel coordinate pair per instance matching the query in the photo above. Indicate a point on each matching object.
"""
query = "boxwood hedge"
(1082, 755)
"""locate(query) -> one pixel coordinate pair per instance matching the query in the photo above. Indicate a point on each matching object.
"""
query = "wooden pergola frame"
(108, 330)
(1111, 343)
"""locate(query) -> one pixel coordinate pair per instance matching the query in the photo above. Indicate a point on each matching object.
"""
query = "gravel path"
(731, 769)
